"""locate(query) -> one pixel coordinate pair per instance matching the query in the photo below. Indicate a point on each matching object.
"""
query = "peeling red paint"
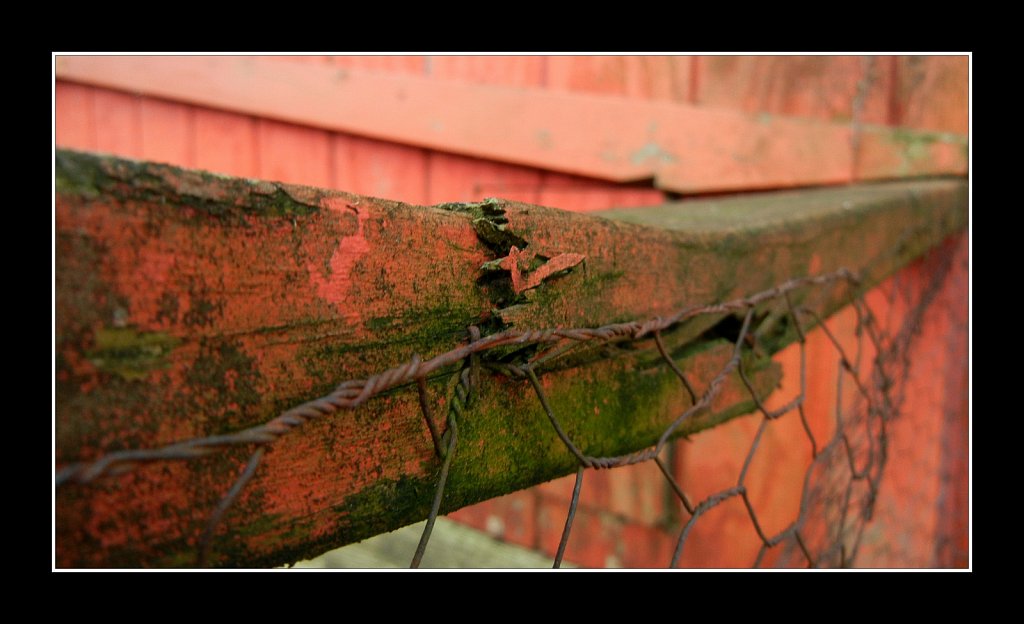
(334, 285)
(814, 268)
(517, 262)
(254, 332)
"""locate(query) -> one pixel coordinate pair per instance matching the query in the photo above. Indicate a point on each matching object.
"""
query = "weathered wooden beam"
(190, 304)
(682, 147)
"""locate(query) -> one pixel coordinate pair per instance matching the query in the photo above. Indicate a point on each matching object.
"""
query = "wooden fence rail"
(190, 304)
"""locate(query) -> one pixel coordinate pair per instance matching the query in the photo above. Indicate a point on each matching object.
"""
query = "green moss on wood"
(221, 379)
(129, 353)
(222, 197)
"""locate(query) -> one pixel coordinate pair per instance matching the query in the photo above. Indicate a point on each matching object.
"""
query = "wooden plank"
(510, 518)
(824, 87)
(390, 170)
(684, 148)
(577, 194)
(641, 77)
(883, 152)
(75, 116)
(954, 516)
(190, 304)
(513, 71)
(118, 123)
(293, 154)
(379, 169)
(167, 132)
(457, 178)
(932, 93)
(666, 78)
(393, 64)
(454, 178)
(226, 143)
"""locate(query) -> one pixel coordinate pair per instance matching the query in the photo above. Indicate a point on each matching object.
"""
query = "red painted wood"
(226, 143)
(576, 193)
(168, 132)
(510, 518)
(379, 169)
(455, 178)
(634, 196)
(75, 116)
(923, 502)
(398, 64)
(824, 87)
(569, 193)
(953, 547)
(929, 93)
(710, 463)
(634, 493)
(932, 93)
(688, 149)
(118, 123)
(580, 194)
(646, 547)
(881, 153)
(921, 517)
(596, 538)
(516, 71)
(640, 77)
(459, 179)
(407, 65)
(307, 59)
(294, 154)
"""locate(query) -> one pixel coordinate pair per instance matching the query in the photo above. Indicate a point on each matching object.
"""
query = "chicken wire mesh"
(839, 487)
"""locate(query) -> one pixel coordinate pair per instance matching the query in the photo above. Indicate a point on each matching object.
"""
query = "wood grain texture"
(823, 87)
(190, 304)
(75, 116)
(642, 78)
(294, 154)
(513, 71)
(379, 169)
(453, 177)
(639, 77)
(118, 119)
(397, 64)
(226, 143)
(683, 148)
(168, 132)
(923, 503)
(932, 93)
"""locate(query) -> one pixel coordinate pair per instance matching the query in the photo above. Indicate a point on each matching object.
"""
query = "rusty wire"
(353, 393)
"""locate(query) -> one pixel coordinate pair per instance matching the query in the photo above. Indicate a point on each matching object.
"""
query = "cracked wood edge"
(191, 304)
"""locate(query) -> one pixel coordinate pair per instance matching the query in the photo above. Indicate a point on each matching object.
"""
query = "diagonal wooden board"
(682, 147)
(190, 304)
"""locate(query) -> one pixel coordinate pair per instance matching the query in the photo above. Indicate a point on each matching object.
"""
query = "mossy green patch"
(224, 384)
(916, 146)
(79, 174)
(384, 506)
(226, 198)
(393, 339)
(129, 353)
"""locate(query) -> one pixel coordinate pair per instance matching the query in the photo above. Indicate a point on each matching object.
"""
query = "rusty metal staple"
(350, 394)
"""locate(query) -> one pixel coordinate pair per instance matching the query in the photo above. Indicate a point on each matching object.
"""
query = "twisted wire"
(559, 341)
